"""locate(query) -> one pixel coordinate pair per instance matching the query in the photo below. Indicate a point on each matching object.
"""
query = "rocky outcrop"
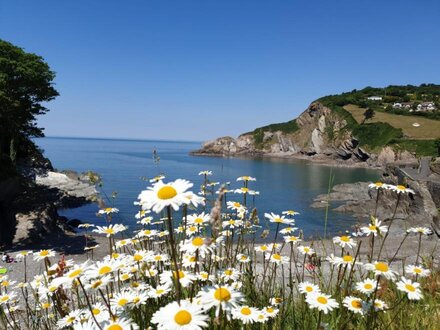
(321, 133)
(413, 210)
(28, 207)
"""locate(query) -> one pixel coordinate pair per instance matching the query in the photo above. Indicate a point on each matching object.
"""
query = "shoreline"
(325, 161)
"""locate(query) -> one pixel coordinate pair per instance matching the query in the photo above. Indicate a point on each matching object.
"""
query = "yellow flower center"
(372, 227)
(417, 270)
(278, 219)
(159, 292)
(347, 258)
(137, 257)
(228, 272)
(382, 267)
(198, 220)
(96, 284)
(306, 249)
(222, 294)
(345, 239)
(368, 286)
(243, 258)
(75, 273)
(122, 302)
(198, 241)
(246, 311)
(166, 192)
(276, 257)
(158, 258)
(136, 300)
(4, 298)
(269, 310)
(45, 305)
(5, 283)
(379, 184)
(115, 327)
(182, 317)
(322, 300)
(245, 190)
(70, 320)
(105, 270)
(96, 311)
(356, 304)
(309, 288)
(400, 187)
(180, 273)
(108, 209)
(44, 253)
(109, 231)
(237, 204)
(410, 288)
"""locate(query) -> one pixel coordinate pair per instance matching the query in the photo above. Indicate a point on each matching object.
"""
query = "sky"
(197, 70)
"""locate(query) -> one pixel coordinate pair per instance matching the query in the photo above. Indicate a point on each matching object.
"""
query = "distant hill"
(357, 126)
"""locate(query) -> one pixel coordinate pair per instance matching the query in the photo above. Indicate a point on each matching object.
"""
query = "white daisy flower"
(159, 291)
(120, 324)
(420, 230)
(161, 195)
(43, 254)
(278, 219)
(186, 316)
(367, 286)
(401, 189)
(308, 288)
(412, 289)
(108, 210)
(417, 271)
(322, 302)
(292, 239)
(196, 244)
(381, 268)
(185, 278)
(246, 178)
(344, 241)
(374, 228)
(220, 296)
(290, 212)
(277, 258)
(245, 314)
(379, 305)
(198, 219)
(354, 304)
(306, 250)
(110, 230)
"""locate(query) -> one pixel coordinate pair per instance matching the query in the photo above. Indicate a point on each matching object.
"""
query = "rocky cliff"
(319, 133)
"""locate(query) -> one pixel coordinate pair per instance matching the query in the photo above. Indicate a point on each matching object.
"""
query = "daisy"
(142, 214)
(220, 296)
(230, 274)
(157, 178)
(277, 258)
(185, 278)
(270, 311)
(102, 268)
(262, 248)
(146, 233)
(7, 298)
(288, 230)
(246, 178)
(367, 286)
(381, 268)
(344, 241)
(378, 185)
(198, 219)
(379, 305)
(186, 316)
(69, 319)
(205, 173)
(411, 288)
(189, 198)
(417, 271)
(121, 300)
(275, 301)
(245, 314)
(234, 205)
(98, 283)
(159, 291)
(401, 189)
(292, 239)
(232, 223)
(108, 210)
(43, 254)
(420, 230)
(305, 250)
(290, 212)
(162, 195)
(278, 219)
(196, 244)
(261, 317)
(308, 288)
(243, 258)
(110, 230)
(22, 254)
(322, 302)
(354, 304)
(374, 228)
(120, 324)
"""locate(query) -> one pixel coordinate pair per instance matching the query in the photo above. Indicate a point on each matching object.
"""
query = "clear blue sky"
(196, 70)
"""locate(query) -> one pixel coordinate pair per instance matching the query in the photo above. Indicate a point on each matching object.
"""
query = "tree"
(368, 114)
(26, 83)
(437, 145)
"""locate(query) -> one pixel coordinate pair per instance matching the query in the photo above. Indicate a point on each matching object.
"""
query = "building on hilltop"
(426, 107)
(374, 98)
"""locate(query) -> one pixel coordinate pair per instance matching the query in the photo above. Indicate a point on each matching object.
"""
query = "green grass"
(420, 147)
(258, 134)
(375, 135)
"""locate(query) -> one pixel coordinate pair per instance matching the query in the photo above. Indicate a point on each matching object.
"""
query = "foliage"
(26, 83)
(286, 127)
(368, 114)
(376, 135)
(419, 147)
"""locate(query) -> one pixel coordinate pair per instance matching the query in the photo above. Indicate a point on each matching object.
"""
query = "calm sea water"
(283, 184)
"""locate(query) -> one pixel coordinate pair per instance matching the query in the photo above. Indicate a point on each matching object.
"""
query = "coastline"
(320, 160)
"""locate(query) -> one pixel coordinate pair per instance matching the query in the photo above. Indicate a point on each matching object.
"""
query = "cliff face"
(320, 132)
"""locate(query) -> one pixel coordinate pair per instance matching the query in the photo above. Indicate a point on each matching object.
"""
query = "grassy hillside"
(428, 129)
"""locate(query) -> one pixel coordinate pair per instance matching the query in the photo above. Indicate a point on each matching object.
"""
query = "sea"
(124, 165)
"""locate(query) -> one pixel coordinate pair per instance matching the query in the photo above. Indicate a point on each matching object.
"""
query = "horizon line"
(113, 138)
